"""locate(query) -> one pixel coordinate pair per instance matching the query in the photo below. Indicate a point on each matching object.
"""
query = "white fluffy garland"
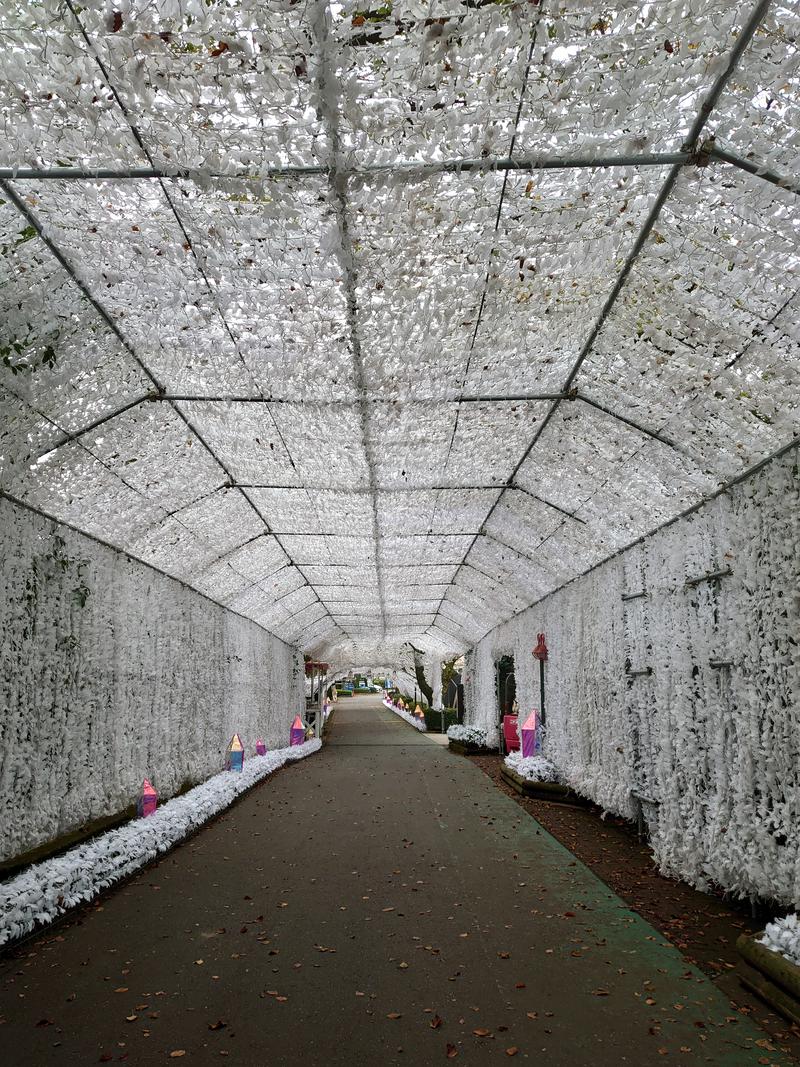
(532, 768)
(46, 890)
(469, 735)
(714, 746)
(412, 720)
(783, 936)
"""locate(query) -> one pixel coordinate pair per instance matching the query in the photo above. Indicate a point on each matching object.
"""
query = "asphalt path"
(379, 903)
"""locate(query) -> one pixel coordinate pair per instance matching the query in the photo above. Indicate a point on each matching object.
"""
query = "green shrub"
(433, 720)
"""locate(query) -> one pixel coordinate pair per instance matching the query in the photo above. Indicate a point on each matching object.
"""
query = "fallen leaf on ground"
(131, 1018)
(512, 1051)
(602, 993)
(452, 1052)
(394, 1015)
(218, 1025)
(435, 1023)
(481, 1032)
(504, 955)
(177, 1053)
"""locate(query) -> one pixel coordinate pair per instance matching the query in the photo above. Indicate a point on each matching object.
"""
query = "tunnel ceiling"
(376, 325)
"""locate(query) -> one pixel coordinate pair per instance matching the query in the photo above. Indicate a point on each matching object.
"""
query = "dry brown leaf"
(394, 1015)
(452, 1052)
(176, 1053)
(481, 1032)
(512, 1051)
(435, 1023)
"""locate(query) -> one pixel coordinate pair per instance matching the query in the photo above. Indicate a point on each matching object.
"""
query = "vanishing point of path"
(378, 903)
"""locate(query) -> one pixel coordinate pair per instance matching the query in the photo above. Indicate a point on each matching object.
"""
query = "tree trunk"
(422, 681)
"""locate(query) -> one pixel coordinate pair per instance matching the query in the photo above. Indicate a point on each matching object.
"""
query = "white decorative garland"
(532, 768)
(468, 735)
(783, 937)
(412, 720)
(46, 890)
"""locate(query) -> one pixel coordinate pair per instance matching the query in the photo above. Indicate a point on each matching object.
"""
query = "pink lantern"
(261, 748)
(510, 735)
(297, 734)
(148, 801)
(531, 743)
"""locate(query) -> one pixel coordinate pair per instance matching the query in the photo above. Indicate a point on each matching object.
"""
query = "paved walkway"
(379, 903)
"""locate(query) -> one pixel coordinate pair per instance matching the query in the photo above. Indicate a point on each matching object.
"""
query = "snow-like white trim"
(468, 735)
(783, 937)
(532, 768)
(46, 890)
(412, 720)
(707, 706)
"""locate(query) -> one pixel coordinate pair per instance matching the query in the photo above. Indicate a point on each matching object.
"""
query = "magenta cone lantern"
(261, 748)
(297, 734)
(148, 801)
(530, 735)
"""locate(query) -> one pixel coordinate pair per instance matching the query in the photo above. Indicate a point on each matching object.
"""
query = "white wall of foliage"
(717, 747)
(110, 672)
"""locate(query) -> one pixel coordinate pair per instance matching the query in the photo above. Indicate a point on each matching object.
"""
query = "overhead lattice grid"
(376, 325)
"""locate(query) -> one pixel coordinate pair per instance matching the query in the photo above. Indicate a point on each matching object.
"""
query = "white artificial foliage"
(310, 374)
(783, 936)
(470, 735)
(324, 325)
(46, 890)
(712, 733)
(532, 768)
(412, 720)
(110, 673)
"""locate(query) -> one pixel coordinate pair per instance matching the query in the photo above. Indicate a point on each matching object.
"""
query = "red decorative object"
(540, 652)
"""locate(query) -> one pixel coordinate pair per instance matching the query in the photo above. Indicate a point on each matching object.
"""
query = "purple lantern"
(531, 743)
(148, 801)
(297, 734)
(261, 748)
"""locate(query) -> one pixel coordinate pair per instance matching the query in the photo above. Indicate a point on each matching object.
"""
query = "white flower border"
(783, 936)
(533, 768)
(468, 735)
(412, 720)
(47, 890)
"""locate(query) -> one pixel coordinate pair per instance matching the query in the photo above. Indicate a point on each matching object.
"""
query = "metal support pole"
(399, 168)
(541, 691)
